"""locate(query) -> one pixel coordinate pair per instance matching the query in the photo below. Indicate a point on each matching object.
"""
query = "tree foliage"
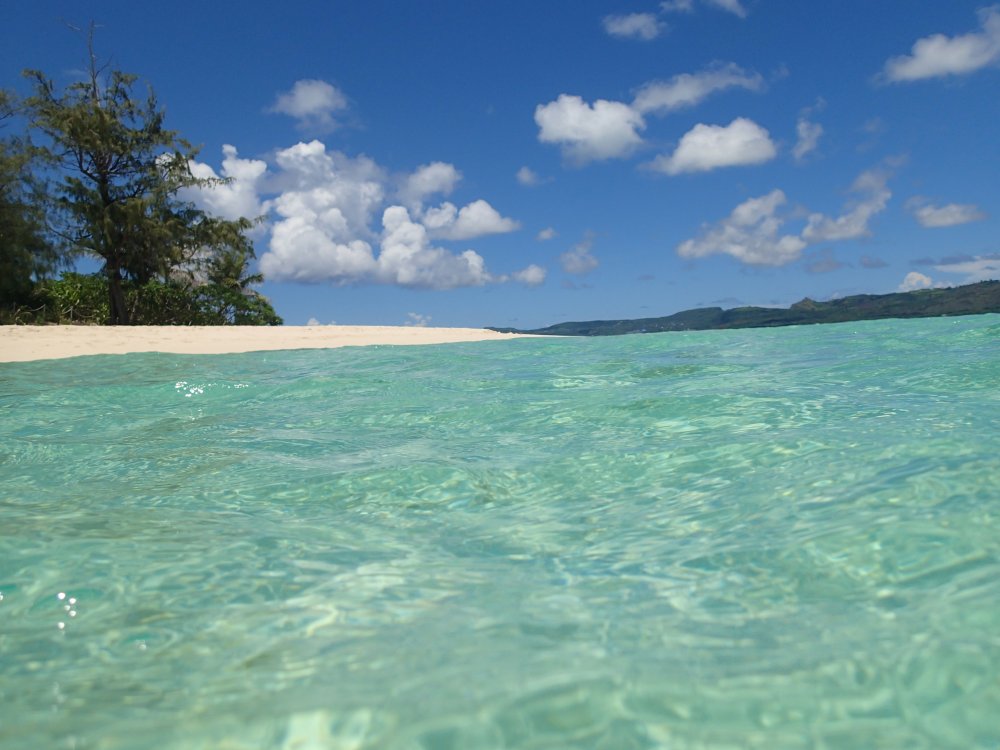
(83, 298)
(25, 253)
(121, 173)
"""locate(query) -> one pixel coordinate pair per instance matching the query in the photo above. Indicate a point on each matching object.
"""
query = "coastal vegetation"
(971, 299)
(96, 174)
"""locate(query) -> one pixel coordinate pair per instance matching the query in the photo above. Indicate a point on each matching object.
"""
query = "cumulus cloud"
(611, 129)
(751, 234)
(325, 208)
(949, 215)
(642, 26)
(677, 6)
(313, 103)
(546, 234)
(915, 280)
(853, 223)
(436, 178)
(234, 193)
(706, 147)
(477, 219)
(579, 260)
(328, 190)
(939, 55)
(407, 257)
(689, 89)
(589, 132)
(531, 276)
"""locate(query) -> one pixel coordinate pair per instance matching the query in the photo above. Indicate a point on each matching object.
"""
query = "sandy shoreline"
(28, 343)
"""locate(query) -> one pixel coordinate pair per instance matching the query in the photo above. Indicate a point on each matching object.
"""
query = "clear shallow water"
(760, 538)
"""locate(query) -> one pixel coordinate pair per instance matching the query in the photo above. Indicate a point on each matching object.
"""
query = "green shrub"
(82, 298)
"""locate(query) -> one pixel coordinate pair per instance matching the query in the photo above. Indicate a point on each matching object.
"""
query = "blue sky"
(468, 164)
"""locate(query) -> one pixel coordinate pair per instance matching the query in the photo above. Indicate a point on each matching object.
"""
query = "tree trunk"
(116, 297)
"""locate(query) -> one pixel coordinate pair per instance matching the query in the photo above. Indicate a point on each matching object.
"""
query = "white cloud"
(436, 178)
(938, 55)
(915, 280)
(949, 215)
(809, 134)
(324, 207)
(585, 132)
(527, 177)
(687, 6)
(643, 26)
(417, 320)
(579, 260)
(853, 223)
(408, 259)
(608, 129)
(313, 103)
(978, 268)
(733, 6)
(236, 198)
(299, 251)
(531, 276)
(324, 211)
(337, 194)
(706, 147)
(688, 89)
(477, 219)
(546, 234)
(751, 234)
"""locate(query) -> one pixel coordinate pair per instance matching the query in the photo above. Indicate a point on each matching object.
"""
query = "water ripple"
(762, 539)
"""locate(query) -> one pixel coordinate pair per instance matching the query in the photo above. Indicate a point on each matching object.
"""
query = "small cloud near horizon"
(416, 320)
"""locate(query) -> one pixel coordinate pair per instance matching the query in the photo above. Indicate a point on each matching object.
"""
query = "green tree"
(231, 285)
(26, 255)
(122, 172)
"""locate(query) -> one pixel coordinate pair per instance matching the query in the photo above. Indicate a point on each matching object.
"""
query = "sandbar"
(28, 343)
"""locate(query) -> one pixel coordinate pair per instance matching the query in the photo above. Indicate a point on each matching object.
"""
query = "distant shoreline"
(31, 343)
(969, 299)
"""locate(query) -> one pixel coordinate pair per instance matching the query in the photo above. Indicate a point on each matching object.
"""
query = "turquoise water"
(774, 538)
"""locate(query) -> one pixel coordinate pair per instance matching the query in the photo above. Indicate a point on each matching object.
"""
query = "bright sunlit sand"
(27, 343)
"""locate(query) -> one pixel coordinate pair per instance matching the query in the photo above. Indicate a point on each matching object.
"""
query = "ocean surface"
(776, 538)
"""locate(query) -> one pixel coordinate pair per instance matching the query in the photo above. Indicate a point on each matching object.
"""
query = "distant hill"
(971, 299)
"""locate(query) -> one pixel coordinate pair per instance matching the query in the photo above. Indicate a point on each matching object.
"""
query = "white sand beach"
(27, 343)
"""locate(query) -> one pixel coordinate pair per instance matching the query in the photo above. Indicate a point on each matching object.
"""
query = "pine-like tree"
(122, 173)
(25, 253)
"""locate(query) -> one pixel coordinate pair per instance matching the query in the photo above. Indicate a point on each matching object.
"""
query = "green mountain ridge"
(970, 299)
